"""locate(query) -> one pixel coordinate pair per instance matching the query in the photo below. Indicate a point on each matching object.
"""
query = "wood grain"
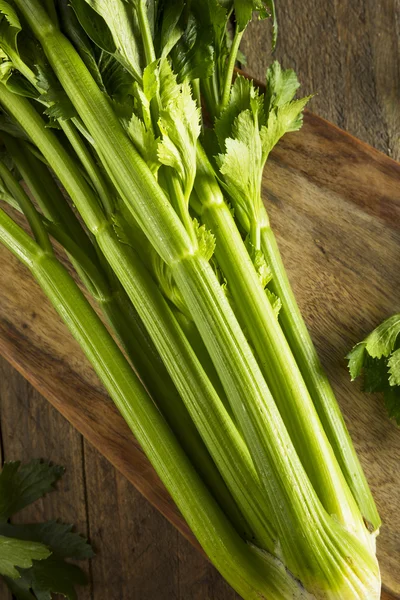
(341, 250)
(345, 52)
(23, 409)
(139, 554)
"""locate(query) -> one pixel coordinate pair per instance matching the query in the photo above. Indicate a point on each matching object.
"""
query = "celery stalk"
(140, 349)
(317, 382)
(271, 477)
(252, 574)
(211, 418)
(274, 356)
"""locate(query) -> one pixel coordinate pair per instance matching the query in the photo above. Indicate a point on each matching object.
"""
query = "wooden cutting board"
(334, 203)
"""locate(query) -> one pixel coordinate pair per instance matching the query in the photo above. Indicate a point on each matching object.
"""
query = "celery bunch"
(219, 380)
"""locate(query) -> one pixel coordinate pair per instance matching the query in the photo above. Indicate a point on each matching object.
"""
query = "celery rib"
(252, 574)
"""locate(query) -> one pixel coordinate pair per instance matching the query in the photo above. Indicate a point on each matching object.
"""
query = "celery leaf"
(394, 367)
(248, 129)
(179, 124)
(244, 10)
(382, 340)
(377, 359)
(32, 557)
(19, 553)
(53, 575)
(22, 485)
(281, 86)
(112, 26)
(164, 275)
(10, 25)
(193, 55)
(264, 274)
(63, 542)
(205, 240)
(392, 402)
(94, 25)
(145, 142)
(356, 360)
(171, 28)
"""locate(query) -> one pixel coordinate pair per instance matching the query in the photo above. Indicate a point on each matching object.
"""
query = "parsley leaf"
(63, 542)
(377, 359)
(32, 557)
(55, 576)
(22, 485)
(394, 367)
(19, 553)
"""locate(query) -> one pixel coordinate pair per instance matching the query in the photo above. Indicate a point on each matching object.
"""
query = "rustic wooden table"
(349, 54)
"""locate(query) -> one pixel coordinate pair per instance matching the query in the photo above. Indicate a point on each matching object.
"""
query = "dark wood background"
(348, 53)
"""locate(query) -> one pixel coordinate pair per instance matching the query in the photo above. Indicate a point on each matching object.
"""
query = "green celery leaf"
(163, 275)
(281, 86)
(151, 80)
(94, 25)
(356, 360)
(171, 29)
(241, 95)
(382, 341)
(392, 402)
(244, 10)
(110, 75)
(59, 537)
(179, 124)
(275, 301)
(10, 28)
(116, 80)
(264, 274)
(205, 240)
(15, 82)
(283, 113)
(212, 14)
(144, 94)
(193, 55)
(394, 367)
(260, 264)
(247, 130)
(20, 588)
(10, 25)
(22, 485)
(19, 553)
(375, 374)
(378, 359)
(145, 142)
(212, 18)
(55, 576)
(281, 120)
(59, 104)
(120, 18)
(242, 163)
(10, 14)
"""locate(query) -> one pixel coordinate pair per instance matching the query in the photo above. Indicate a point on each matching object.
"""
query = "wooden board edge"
(156, 492)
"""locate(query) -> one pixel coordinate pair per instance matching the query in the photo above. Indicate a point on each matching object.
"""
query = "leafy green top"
(32, 557)
(248, 129)
(377, 358)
